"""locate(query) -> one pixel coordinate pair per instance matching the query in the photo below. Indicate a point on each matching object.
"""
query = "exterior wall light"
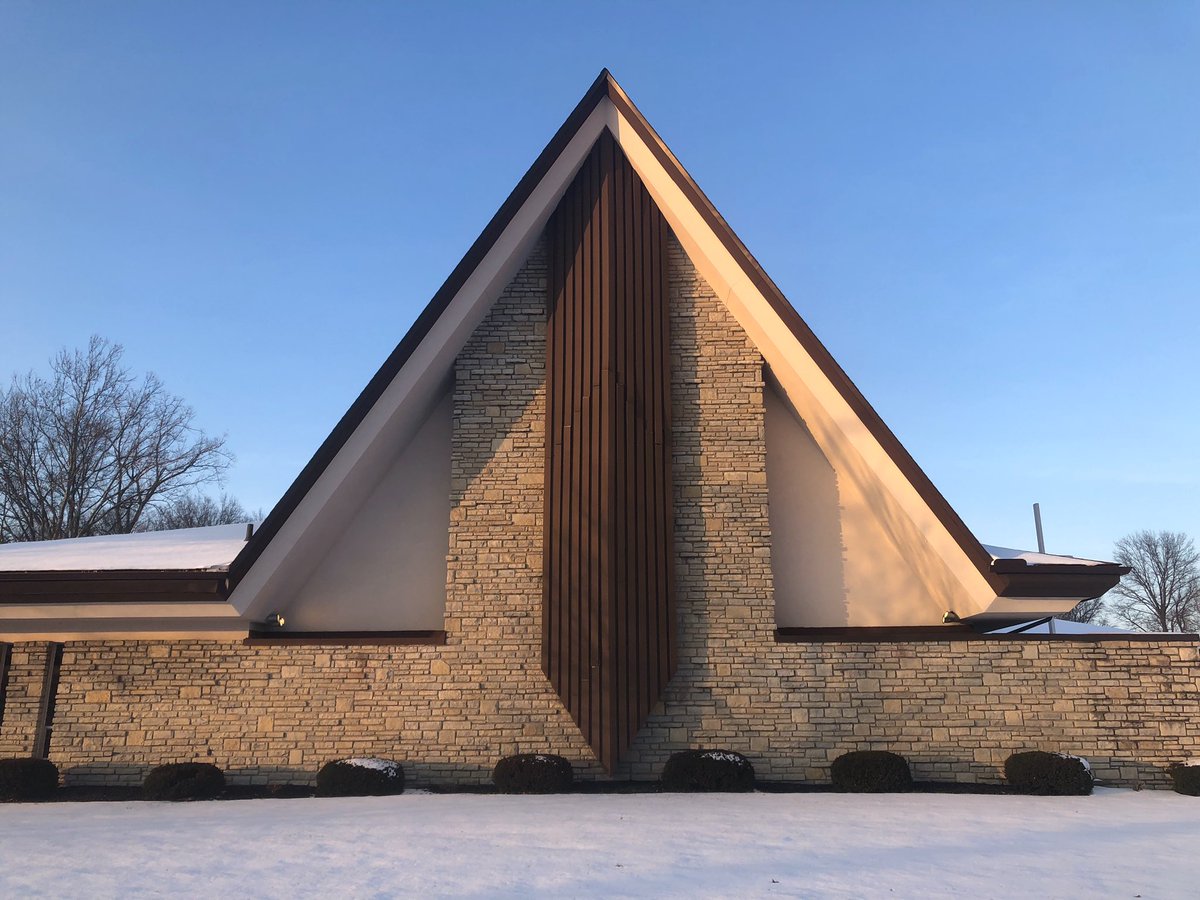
(275, 619)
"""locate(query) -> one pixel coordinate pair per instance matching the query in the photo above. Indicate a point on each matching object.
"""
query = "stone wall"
(955, 709)
(22, 698)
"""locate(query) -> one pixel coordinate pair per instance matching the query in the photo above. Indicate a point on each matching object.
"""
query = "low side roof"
(1007, 558)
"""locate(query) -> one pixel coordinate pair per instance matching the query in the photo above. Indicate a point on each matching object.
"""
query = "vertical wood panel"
(5, 662)
(608, 619)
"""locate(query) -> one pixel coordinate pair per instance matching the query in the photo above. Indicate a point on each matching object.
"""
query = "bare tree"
(91, 448)
(195, 510)
(1085, 611)
(1162, 592)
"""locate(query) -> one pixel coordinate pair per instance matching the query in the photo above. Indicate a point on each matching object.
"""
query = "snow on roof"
(1033, 558)
(209, 548)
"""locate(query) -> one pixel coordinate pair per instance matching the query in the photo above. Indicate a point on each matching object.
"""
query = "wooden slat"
(609, 551)
(5, 662)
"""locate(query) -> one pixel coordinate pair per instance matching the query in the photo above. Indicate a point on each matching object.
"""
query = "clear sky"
(990, 213)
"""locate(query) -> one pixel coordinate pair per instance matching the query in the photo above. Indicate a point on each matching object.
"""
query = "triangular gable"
(401, 393)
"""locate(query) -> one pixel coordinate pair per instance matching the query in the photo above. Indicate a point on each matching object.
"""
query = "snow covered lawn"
(1116, 843)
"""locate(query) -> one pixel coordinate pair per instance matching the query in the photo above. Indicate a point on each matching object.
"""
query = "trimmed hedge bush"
(533, 773)
(871, 772)
(27, 778)
(702, 771)
(184, 781)
(1048, 774)
(1186, 778)
(363, 776)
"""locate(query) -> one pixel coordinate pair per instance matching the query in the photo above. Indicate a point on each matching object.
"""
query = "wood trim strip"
(108, 586)
(45, 719)
(98, 575)
(934, 633)
(366, 638)
(1033, 584)
(5, 663)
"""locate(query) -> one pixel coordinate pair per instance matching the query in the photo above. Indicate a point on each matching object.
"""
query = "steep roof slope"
(397, 396)
(398, 399)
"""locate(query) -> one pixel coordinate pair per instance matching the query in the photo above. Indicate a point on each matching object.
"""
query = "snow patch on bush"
(372, 762)
(724, 756)
(1086, 765)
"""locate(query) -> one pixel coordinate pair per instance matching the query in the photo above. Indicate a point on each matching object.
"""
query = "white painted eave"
(402, 407)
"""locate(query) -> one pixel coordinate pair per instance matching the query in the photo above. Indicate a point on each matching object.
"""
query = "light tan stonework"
(22, 699)
(274, 713)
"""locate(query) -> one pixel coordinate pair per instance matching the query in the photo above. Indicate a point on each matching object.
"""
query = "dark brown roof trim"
(931, 633)
(136, 585)
(1073, 581)
(343, 638)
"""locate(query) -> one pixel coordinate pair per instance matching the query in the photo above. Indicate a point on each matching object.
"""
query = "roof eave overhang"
(144, 585)
(1029, 592)
(133, 604)
(1081, 582)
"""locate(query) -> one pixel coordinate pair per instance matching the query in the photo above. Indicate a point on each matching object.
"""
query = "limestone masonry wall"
(276, 713)
(956, 710)
(26, 672)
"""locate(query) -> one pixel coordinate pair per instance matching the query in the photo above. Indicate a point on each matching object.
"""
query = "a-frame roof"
(797, 358)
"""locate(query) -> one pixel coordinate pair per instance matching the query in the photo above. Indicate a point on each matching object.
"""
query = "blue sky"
(990, 213)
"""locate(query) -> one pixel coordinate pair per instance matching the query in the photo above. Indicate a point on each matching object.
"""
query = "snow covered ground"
(1116, 843)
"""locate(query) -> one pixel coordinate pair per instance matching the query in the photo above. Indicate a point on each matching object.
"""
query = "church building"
(609, 498)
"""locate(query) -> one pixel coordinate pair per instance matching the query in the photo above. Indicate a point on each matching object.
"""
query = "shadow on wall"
(807, 547)
(499, 376)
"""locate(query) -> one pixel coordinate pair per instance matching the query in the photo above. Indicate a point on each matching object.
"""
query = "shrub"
(708, 771)
(363, 776)
(1186, 778)
(183, 781)
(1048, 774)
(871, 772)
(533, 773)
(27, 779)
